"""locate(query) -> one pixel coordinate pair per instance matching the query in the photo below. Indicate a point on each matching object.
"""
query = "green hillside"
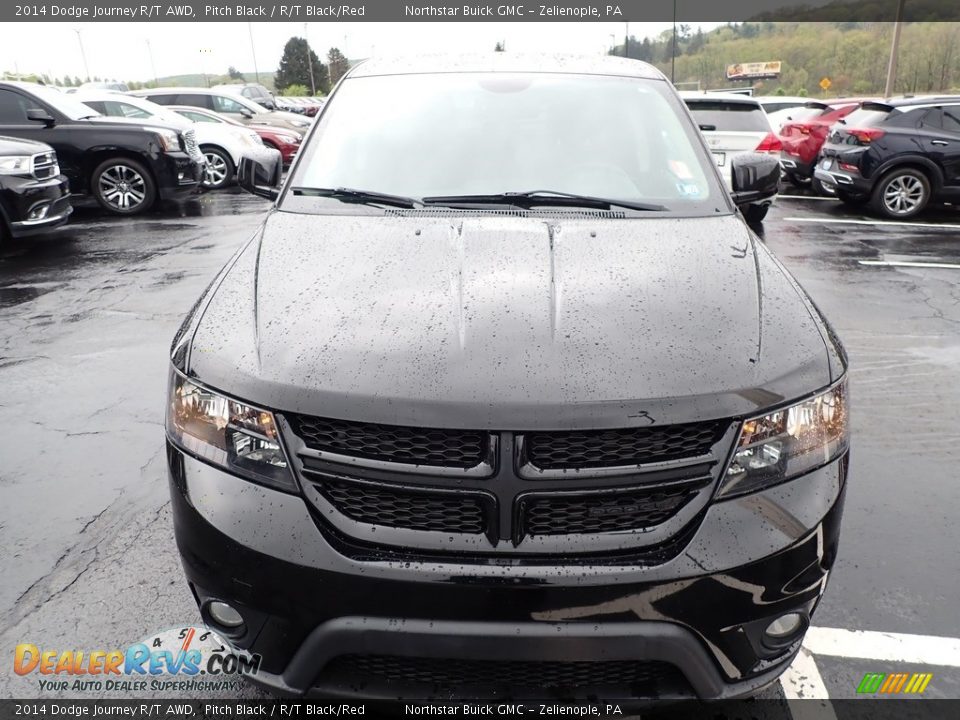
(853, 55)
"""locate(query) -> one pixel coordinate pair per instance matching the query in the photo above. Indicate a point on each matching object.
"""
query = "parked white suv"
(732, 125)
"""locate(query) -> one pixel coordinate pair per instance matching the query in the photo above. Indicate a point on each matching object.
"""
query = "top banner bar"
(681, 11)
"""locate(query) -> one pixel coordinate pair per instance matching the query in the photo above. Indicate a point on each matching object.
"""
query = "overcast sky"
(120, 51)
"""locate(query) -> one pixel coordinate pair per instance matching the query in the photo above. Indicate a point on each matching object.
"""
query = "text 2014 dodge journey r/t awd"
(505, 399)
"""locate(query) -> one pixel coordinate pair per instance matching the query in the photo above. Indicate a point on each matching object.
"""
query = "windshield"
(66, 104)
(457, 134)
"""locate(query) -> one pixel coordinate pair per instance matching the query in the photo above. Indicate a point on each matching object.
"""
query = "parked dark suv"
(126, 165)
(34, 196)
(505, 399)
(897, 155)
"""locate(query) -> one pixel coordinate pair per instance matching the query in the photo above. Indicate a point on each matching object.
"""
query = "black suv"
(898, 155)
(504, 398)
(126, 165)
(34, 196)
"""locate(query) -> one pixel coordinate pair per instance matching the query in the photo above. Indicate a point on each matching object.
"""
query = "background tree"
(296, 91)
(235, 74)
(295, 67)
(337, 65)
(499, 46)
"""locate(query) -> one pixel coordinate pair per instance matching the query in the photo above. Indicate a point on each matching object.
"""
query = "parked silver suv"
(225, 103)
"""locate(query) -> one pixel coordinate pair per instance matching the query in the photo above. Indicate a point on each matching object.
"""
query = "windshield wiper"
(364, 197)
(532, 198)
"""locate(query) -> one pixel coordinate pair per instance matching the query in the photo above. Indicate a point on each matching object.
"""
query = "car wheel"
(219, 170)
(820, 189)
(797, 181)
(852, 199)
(755, 213)
(901, 193)
(123, 186)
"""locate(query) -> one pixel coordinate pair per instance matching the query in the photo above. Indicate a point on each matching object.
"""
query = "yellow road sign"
(825, 83)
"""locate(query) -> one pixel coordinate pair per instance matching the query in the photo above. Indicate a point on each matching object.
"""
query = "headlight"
(16, 165)
(297, 122)
(169, 139)
(238, 437)
(288, 139)
(775, 447)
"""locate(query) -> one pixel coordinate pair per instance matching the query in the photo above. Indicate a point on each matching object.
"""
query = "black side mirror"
(41, 115)
(755, 177)
(246, 113)
(260, 178)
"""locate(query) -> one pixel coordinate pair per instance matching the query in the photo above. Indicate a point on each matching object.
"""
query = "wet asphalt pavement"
(87, 315)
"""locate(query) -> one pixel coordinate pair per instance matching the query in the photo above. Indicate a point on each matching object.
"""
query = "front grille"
(631, 446)
(45, 166)
(393, 443)
(569, 514)
(645, 676)
(456, 512)
(190, 144)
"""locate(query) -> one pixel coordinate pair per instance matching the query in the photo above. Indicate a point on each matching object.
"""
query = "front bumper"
(178, 175)
(305, 604)
(21, 198)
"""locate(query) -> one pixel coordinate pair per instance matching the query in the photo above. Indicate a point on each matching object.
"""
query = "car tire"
(852, 199)
(754, 214)
(820, 189)
(123, 186)
(798, 182)
(901, 193)
(219, 171)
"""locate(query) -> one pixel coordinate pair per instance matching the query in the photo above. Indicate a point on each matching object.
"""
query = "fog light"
(224, 615)
(39, 212)
(784, 627)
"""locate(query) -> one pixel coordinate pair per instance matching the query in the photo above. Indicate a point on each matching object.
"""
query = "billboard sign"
(750, 71)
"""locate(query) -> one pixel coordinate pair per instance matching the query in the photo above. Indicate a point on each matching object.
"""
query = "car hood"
(21, 146)
(509, 322)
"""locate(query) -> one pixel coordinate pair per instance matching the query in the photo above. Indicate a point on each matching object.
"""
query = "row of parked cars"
(894, 156)
(127, 151)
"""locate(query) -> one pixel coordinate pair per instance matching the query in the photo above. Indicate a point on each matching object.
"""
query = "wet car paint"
(86, 518)
(402, 321)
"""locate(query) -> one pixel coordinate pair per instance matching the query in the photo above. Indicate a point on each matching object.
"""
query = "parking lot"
(86, 317)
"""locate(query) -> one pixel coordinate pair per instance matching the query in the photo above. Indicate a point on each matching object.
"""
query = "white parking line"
(898, 223)
(802, 679)
(910, 263)
(887, 647)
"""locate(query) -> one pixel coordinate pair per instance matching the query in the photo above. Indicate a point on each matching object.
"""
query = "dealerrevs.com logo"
(190, 658)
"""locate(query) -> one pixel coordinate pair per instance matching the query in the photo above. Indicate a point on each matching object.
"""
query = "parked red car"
(802, 139)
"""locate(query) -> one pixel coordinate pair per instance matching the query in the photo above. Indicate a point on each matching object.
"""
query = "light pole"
(894, 49)
(253, 51)
(673, 47)
(203, 64)
(313, 86)
(83, 54)
(626, 40)
(153, 65)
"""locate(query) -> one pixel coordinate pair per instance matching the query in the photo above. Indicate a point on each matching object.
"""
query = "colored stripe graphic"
(870, 683)
(894, 683)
